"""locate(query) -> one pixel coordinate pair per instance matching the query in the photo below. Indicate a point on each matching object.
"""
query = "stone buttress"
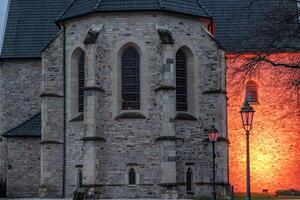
(52, 142)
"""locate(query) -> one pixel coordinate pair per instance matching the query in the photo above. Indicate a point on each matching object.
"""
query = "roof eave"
(62, 19)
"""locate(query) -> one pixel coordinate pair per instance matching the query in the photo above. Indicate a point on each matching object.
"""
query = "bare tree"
(274, 43)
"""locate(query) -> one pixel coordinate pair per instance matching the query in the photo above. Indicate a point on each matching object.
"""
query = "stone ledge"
(51, 95)
(164, 87)
(185, 116)
(77, 118)
(96, 138)
(130, 115)
(51, 142)
(94, 88)
(172, 138)
(215, 92)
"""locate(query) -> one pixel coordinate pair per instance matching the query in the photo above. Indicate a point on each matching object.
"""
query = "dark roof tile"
(82, 7)
(30, 26)
(29, 128)
(31, 23)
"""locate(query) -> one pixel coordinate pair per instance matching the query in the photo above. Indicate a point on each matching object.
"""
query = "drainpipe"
(65, 113)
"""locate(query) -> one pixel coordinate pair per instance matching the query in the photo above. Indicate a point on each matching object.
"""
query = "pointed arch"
(251, 92)
(185, 81)
(76, 81)
(130, 77)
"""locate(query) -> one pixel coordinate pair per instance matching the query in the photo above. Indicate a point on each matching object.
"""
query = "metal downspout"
(65, 113)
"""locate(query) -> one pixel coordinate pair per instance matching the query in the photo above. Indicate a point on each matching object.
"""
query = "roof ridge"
(205, 10)
(65, 10)
(24, 122)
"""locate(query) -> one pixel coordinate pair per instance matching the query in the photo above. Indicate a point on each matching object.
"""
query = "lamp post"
(213, 136)
(247, 113)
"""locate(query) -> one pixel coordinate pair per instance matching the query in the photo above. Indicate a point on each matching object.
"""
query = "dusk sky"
(3, 7)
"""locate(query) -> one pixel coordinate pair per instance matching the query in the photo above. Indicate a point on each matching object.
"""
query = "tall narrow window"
(189, 180)
(251, 92)
(80, 178)
(181, 81)
(130, 79)
(81, 80)
(132, 176)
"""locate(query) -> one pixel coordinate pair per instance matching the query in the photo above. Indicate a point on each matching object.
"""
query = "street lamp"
(213, 136)
(247, 113)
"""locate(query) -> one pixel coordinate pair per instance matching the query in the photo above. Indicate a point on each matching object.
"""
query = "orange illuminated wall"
(275, 139)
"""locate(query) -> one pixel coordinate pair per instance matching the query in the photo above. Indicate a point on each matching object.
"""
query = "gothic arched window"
(189, 180)
(81, 80)
(132, 176)
(130, 75)
(251, 92)
(181, 81)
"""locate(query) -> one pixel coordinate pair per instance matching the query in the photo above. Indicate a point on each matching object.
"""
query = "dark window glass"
(130, 79)
(189, 180)
(132, 177)
(181, 81)
(251, 92)
(81, 75)
(80, 178)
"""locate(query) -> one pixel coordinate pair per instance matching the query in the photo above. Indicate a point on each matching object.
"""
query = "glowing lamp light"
(213, 134)
(247, 114)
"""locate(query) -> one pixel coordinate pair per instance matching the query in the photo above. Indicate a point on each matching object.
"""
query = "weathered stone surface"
(134, 140)
(23, 167)
(20, 82)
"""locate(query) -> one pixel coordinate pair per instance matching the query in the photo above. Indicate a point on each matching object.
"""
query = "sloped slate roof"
(30, 26)
(29, 128)
(187, 7)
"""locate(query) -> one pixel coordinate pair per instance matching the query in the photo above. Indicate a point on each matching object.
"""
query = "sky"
(3, 8)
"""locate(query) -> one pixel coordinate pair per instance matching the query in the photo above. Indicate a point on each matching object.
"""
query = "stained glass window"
(81, 80)
(181, 81)
(251, 92)
(130, 79)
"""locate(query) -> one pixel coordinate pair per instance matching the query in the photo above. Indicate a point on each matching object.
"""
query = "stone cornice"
(94, 138)
(215, 92)
(170, 138)
(164, 87)
(51, 142)
(94, 88)
(45, 94)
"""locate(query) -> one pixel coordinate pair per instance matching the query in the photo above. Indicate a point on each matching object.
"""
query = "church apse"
(275, 137)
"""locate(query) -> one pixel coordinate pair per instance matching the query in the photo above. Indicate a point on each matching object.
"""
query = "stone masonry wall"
(275, 138)
(52, 142)
(23, 173)
(133, 141)
(20, 82)
(20, 91)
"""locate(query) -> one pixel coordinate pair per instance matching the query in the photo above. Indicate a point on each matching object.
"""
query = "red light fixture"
(247, 114)
(213, 134)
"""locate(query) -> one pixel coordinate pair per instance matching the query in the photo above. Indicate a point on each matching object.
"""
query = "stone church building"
(114, 96)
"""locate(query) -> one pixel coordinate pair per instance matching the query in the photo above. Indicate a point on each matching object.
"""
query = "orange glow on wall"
(275, 138)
